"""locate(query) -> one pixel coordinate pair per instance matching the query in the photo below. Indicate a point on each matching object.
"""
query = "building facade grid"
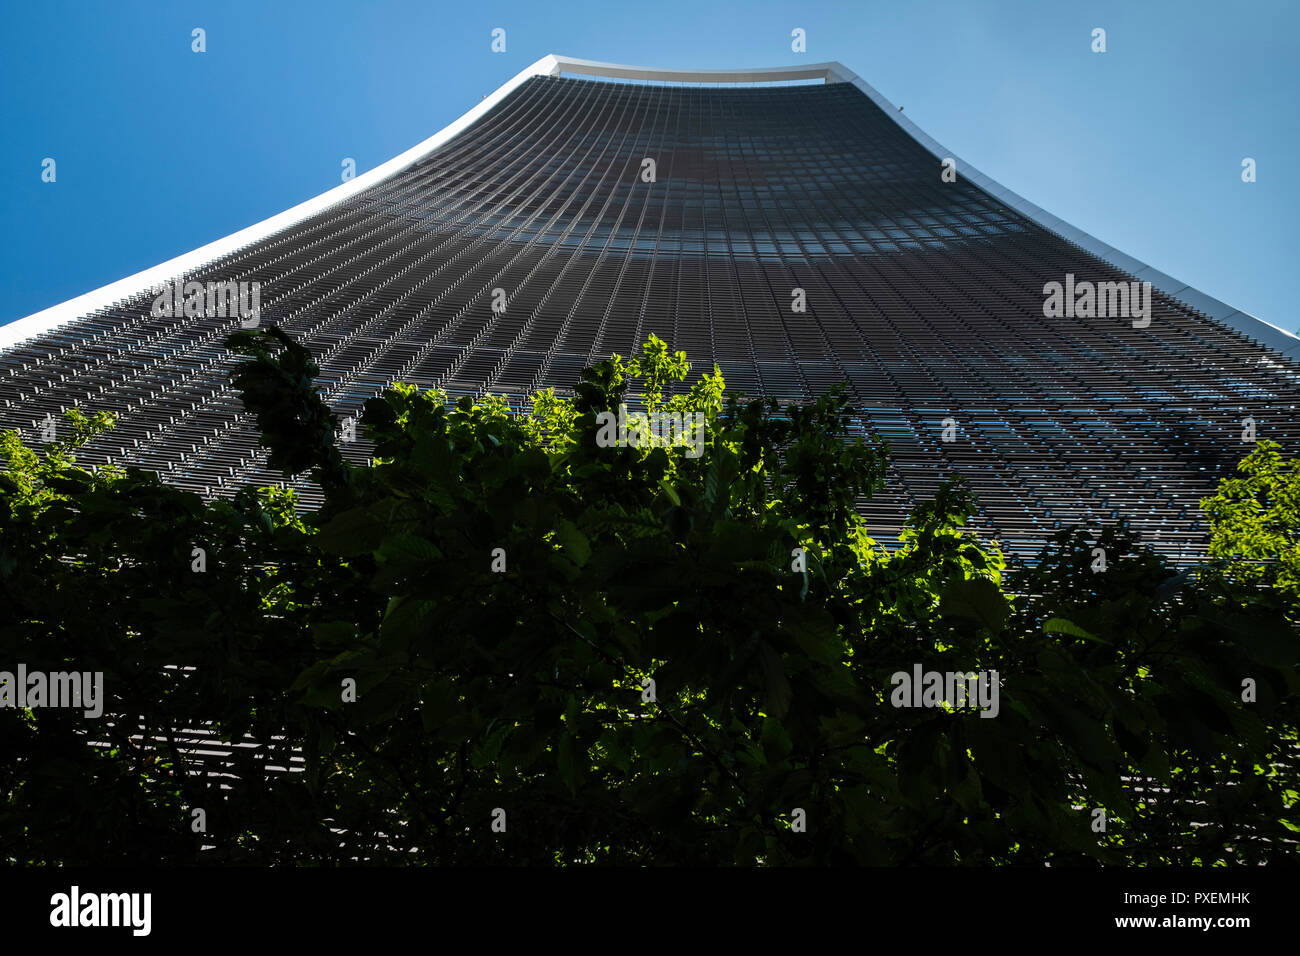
(925, 296)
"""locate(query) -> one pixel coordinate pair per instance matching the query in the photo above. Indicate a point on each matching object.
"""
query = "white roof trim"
(554, 65)
(831, 72)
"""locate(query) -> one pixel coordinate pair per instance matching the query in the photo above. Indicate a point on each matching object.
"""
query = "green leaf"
(1059, 625)
(575, 544)
(351, 533)
(976, 599)
(671, 492)
(776, 742)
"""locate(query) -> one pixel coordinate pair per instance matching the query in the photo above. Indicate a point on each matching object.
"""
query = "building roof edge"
(19, 330)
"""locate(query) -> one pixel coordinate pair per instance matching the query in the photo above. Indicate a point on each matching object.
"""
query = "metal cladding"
(606, 211)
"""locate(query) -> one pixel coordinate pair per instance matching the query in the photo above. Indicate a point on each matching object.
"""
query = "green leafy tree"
(1255, 519)
(621, 655)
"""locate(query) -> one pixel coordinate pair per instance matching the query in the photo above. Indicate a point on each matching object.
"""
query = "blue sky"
(160, 149)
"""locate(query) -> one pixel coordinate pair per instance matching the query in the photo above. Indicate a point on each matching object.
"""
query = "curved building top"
(555, 65)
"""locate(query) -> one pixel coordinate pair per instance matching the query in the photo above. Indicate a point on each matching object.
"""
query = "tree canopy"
(1256, 519)
(504, 642)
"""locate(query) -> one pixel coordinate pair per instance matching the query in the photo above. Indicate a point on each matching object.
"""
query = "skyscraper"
(789, 225)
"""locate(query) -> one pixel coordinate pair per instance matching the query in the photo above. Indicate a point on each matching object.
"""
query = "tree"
(508, 642)
(1255, 519)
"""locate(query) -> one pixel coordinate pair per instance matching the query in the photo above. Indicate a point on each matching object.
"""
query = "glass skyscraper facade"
(796, 236)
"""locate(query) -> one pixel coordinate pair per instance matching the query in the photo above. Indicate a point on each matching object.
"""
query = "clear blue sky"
(160, 149)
